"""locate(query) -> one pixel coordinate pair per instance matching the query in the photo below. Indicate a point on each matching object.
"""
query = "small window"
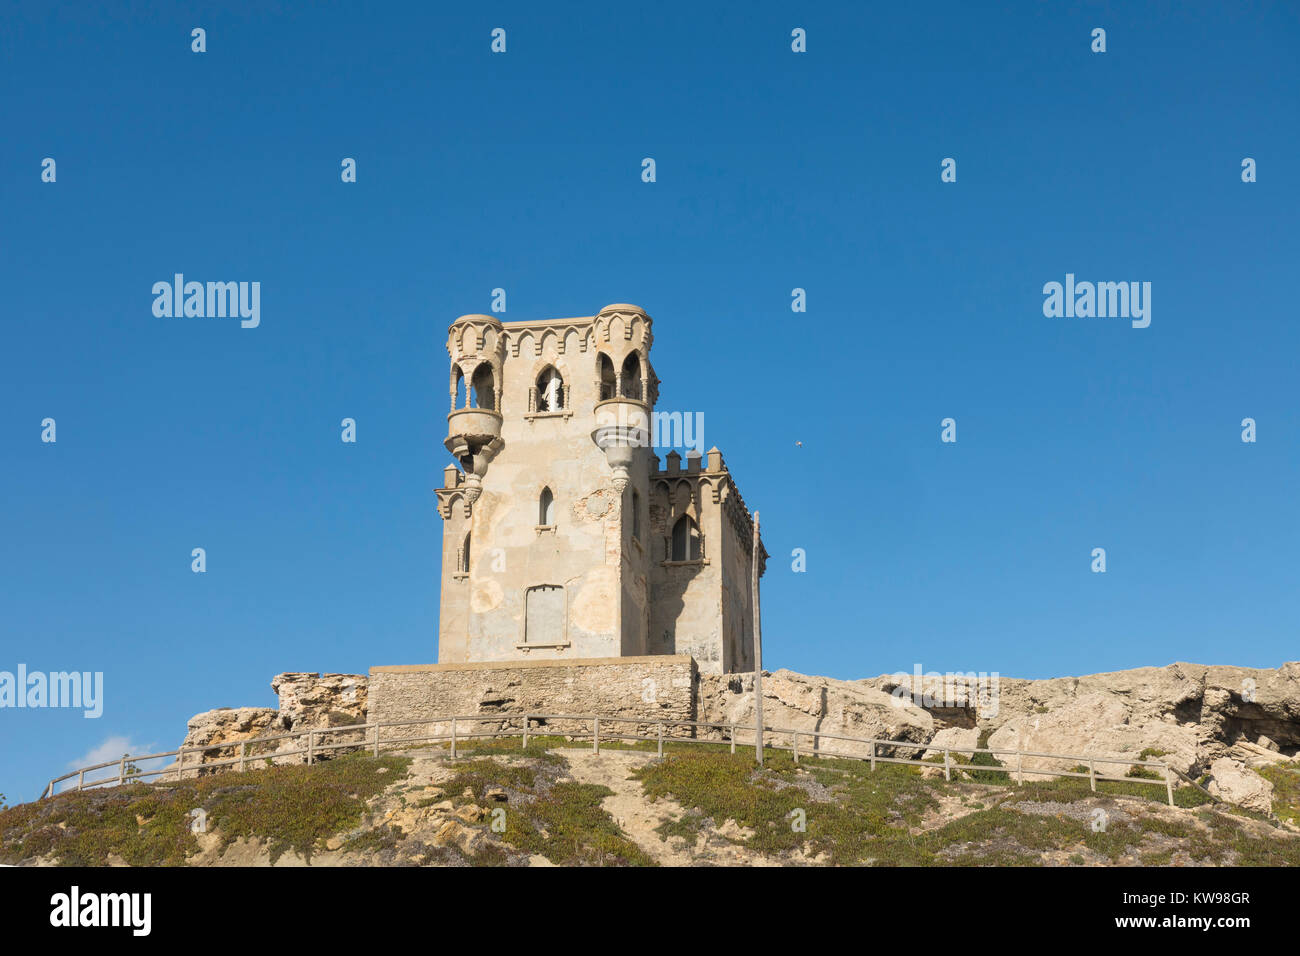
(550, 391)
(686, 539)
(636, 515)
(464, 555)
(546, 508)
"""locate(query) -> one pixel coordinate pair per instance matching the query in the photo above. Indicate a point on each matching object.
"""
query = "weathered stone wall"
(660, 687)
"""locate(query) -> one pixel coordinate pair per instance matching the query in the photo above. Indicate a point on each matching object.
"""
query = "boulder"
(1235, 783)
(966, 738)
(455, 834)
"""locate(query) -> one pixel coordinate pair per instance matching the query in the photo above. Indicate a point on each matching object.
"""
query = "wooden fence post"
(794, 745)
(731, 729)
(661, 739)
(525, 731)
(754, 552)
(595, 734)
(1092, 774)
(873, 756)
(376, 738)
(453, 738)
(947, 771)
(121, 771)
(1169, 785)
(243, 754)
(81, 778)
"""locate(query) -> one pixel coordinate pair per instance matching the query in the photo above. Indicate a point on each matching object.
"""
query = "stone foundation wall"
(658, 687)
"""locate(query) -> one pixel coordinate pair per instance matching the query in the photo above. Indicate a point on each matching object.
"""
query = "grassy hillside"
(554, 803)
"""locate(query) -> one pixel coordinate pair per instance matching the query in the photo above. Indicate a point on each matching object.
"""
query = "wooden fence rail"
(319, 740)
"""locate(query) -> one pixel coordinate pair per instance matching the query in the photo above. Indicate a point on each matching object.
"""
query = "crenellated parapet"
(597, 365)
(685, 491)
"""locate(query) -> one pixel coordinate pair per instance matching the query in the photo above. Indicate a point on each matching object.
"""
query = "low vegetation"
(893, 816)
(708, 804)
(1286, 791)
(290, 807)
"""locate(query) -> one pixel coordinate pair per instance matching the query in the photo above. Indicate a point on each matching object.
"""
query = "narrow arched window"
(686, 539)
(632, 377)
(550, 390)
(546, 508)
(464, 553)
(484, 392)
(606, 370)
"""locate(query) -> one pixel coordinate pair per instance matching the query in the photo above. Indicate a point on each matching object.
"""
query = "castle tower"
(558, 528)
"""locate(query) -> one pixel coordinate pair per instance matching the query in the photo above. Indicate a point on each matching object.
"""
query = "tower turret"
(477, 350)
(627, 389)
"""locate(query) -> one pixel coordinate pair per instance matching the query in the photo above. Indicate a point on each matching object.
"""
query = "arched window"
(632, 376)
(483, 390)
(606, 370)
(546, 508)
(636, 515)
(550, 390)
(460, 390)
(686, 539)
(464, 554)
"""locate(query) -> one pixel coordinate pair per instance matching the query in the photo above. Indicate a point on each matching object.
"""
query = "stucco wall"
(583, 551)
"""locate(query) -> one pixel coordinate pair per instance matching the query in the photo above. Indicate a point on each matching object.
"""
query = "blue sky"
(775, 170)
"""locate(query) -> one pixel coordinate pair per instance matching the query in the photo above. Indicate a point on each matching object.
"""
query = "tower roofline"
(544, 323)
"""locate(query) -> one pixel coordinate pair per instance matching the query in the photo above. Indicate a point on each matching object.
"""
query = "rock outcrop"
(822, 705)
(307, 702)
(320, 700)
(1187, 715)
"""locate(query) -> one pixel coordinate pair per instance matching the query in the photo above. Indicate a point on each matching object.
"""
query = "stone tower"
(563, 538)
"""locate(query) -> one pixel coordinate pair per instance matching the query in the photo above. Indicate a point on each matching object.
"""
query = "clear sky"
(775, 170)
